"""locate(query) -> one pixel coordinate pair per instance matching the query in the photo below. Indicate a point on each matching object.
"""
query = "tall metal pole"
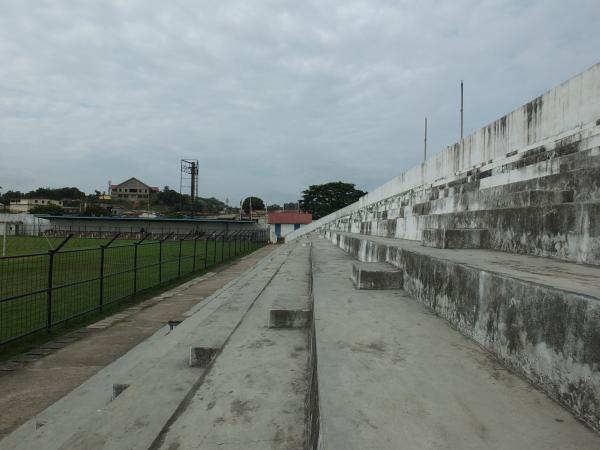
(461, 110)
(193, 187)
(425, 143)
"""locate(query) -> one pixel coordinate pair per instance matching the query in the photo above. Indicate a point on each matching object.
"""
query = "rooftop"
(289, 217)
(141, 219)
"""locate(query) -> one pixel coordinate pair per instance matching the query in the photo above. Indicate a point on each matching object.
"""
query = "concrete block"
(376, 276)
(174, 322)
(118, 389)
(290, 318)
(456, 238)
(201, 356)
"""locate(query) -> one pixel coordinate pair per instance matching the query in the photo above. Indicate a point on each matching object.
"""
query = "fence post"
(160, 246)
(194, 263)
(135, 255)
(51, 254)
(223, 247)
(206, 253)
(135, 261)
(160, 243)
(102, 251)
(215, 250)
(49, 295)
(179, 259)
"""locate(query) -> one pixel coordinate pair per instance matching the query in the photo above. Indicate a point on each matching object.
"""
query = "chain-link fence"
(43, 289)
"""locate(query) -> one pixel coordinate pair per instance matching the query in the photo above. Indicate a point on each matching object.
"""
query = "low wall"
(550, 336)
(136, 225)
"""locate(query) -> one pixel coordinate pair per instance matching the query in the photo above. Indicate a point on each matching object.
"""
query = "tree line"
(318, 199)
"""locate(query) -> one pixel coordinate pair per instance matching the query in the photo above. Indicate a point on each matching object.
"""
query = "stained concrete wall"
(549, 335)
(573, 106)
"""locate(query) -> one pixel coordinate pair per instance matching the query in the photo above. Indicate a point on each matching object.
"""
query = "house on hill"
(132, 190)
(24, 205)
(283, 223)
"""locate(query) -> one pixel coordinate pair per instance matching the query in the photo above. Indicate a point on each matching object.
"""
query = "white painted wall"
(32, 224)
(570, 107)
(286, 229)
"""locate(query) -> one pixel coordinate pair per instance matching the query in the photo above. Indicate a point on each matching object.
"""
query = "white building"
(283, 223)
(25, 205)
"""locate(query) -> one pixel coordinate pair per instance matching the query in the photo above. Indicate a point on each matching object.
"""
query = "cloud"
(269, 96)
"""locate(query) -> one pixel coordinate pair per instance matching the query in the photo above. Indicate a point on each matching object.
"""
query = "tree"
(257, 204)
(290, 206)
(210, 205)
(57, 194)
(323, 199)
(274, 207)
(10, 195)
(169, 197)
(51, 210)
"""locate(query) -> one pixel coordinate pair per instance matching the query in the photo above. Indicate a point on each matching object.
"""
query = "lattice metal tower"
(188, 181)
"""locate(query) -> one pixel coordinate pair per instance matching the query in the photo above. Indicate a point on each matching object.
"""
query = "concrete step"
(568, 231)
(541, 317)
(289, 292)
(411, 381)
(485, 199)
(376, 276)
(456, 238)
(478, 189)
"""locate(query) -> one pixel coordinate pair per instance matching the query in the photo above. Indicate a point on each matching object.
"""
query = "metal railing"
(41, 290)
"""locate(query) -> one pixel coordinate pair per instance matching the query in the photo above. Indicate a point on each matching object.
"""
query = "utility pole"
(461, 110)
(425, 143)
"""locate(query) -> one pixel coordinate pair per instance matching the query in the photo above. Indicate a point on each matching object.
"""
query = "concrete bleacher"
(531, 179)
(499, 234)
(392, 375)
(547, 204)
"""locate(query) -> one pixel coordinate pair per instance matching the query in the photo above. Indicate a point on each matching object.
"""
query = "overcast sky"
(269, 96)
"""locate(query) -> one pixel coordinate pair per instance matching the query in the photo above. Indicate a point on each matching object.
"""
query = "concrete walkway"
(253, 396)
(394, 376)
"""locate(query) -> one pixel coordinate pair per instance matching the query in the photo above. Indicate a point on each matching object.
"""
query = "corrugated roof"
(289, 217)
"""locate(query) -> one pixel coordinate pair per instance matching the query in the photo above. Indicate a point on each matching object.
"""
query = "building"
(283, 223)
(132, 190)
(25, 205)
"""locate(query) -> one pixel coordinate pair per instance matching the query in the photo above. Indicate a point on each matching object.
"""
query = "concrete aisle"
(253, 396)
(394, 376)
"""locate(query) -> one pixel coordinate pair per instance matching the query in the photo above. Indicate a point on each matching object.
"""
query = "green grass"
(26, 245)
(76, 270)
